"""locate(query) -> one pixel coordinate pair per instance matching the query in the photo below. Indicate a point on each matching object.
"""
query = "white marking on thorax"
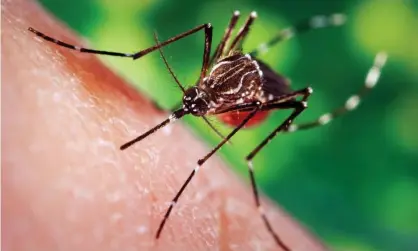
(197, 94)
(260, 72)
(239, 101)
(247, 93)
(219, 65)
(231, 75)
(213, 104)
(226, 72)
(235, 90)
(223, 63)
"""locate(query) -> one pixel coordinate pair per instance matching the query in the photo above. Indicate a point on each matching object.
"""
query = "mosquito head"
(196, 101)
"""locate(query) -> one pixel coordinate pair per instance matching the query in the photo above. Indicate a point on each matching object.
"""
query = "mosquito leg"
(242, 34)
(120, 54)
(75, 47)
(315, 22)
(173, 117)
(221, 46)
(353, 101)
(142, 53)
(206, 52)
(274, 103)
(199, 164)
(299, 107)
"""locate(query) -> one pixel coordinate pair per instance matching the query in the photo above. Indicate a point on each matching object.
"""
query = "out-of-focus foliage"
(353, 182)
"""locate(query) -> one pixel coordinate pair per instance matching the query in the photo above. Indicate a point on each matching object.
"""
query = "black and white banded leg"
(134, 56)
(315, 22)
(242, 33)
(299, 108)
(353, 101)
(225, 39)
(173, 117)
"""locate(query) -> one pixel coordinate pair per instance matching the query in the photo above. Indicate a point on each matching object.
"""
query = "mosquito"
(241, 90)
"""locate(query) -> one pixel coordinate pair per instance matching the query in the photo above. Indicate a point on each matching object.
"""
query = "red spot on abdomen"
(235, 118)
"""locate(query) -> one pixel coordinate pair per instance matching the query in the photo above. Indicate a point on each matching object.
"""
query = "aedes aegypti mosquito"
(241, 90)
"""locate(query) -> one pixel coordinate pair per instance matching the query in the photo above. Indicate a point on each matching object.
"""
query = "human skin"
(67, 186)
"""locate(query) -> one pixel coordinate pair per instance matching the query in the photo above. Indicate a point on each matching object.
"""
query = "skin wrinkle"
(68, 187)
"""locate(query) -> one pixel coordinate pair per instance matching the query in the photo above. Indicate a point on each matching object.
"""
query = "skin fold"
(67, 186)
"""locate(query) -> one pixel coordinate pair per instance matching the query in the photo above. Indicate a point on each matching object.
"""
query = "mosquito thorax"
(196, 101)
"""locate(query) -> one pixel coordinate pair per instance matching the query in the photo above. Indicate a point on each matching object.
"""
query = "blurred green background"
(353, 182)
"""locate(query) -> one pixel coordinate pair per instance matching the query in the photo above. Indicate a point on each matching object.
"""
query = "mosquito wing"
(273, 83)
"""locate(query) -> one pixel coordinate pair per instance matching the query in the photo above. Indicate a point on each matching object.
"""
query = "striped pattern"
(353, 101)
(77, 48)
(235, 79)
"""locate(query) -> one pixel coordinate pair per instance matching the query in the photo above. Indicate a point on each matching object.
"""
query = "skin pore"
(67, 186)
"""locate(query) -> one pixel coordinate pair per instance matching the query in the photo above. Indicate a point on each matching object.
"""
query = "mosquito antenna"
(173, 117)
(166, 63)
